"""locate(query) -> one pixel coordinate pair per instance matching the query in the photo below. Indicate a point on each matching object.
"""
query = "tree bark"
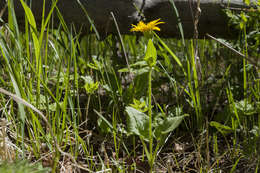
(212, 19)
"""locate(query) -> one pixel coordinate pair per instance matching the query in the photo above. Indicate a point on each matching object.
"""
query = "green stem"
(87, 108)
(150, 116)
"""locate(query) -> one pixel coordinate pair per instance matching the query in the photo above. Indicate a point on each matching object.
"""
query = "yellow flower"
(142, 27)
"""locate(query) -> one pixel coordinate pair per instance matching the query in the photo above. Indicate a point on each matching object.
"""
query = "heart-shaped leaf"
(168, 125)
(138, 122)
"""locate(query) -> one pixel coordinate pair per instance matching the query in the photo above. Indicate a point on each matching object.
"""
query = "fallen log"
(212, 19)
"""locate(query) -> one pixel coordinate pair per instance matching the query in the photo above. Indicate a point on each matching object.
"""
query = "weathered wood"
(212, 20)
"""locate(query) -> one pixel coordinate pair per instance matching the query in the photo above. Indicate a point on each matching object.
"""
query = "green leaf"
(139, 105)
(141, 71)
(221, 128)
(137, 68)
(32, 22)
(29, 14)
(90, 86)
(139, 64)
(170, 52)
(137, 122)
(103, 126)
(53, 106)
(136, 72)
(151, 54)
(255, 130)
(244, 107)
(168, 125)
(108, 124)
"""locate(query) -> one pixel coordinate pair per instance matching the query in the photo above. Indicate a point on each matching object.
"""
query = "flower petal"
(142, 27)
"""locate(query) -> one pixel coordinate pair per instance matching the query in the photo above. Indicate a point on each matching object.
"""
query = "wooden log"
(212, 19)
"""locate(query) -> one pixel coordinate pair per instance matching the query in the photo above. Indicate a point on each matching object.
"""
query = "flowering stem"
(150, 117)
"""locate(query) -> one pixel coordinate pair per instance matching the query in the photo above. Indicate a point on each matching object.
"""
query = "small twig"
(234, 50)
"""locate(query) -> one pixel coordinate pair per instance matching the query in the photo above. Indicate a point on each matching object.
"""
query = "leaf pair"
(138, 124)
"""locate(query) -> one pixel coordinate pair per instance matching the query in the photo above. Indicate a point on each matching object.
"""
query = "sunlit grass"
(63, 101)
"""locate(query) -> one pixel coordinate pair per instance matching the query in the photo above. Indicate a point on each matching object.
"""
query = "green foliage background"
(67, 99)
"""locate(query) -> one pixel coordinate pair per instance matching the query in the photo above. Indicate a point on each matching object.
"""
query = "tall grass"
(65, 99)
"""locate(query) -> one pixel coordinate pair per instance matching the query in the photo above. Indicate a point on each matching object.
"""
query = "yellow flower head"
(142, 27)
